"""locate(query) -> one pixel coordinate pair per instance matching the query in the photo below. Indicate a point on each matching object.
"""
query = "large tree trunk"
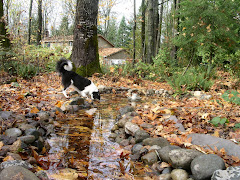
(151, 34)
(39, 32)
(4, 40)
(85, 41)
(30, 22)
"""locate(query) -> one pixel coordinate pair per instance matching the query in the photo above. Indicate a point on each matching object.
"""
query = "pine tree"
(123, 33)
(207, 28)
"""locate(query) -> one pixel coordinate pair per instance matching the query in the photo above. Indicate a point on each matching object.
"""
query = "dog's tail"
(64, 65)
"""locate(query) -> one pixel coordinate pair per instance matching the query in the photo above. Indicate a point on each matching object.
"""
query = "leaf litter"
(44, 93)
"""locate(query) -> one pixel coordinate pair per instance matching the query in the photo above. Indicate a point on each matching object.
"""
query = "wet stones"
(183, 164)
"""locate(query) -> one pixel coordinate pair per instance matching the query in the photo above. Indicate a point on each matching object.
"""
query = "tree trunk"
(134, 30)
(39, 31)
(30, 22)
(156, 24)
(85, 41)
(4, 40)
(160, 26)
(151, 34)
(143, 30)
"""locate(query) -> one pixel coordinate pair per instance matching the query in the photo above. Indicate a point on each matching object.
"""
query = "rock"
(140, 135)
(28, 139)
(24, 126)
(14, 156)
(112, 136)
(126, 118)
(150, 92)
(136, 148)
(7, 140)
(206, 140)
(17, 172)
(33, 132)
(115, 127)
(182, 158)
(13, 132)
(125, 110)
(177, 123)
(197, 94)
(150, 158)
(179, 174)
(203, 166)
(131, 128)
(231, 173)
(120, 137)
(134, 97)
(17, 145)
(76, 101)
(39, 143)
(170, 92)
(42, 175)
(164, 152)
(205, 97)
(124, 142)
(160, 141)
(31, 115)
(5, 115)
(167, 170)
(7, 164)
(43, 116)
(164, 177)
(157, 167)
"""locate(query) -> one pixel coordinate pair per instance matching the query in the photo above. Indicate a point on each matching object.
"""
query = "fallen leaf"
(34, 110)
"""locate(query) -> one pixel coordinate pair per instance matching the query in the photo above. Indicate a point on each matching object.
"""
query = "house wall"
(103, 44)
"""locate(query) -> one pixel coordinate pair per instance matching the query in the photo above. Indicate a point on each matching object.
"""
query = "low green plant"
(232, 97)
(218, 120)
(194, 79)
(237, 126)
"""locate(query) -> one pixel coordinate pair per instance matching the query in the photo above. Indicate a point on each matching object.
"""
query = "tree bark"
(39, 31)
(151, 34)
(4, 40)
(30, 22)
(160, 26)
(134, 30)
(143, 30)
(85, 41)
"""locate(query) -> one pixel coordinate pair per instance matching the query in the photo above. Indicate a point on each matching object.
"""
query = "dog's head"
(96, 95)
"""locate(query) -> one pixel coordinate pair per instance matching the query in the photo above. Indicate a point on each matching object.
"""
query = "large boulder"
(203, 166)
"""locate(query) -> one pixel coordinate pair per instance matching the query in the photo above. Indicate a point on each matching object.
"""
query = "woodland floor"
(26, 95)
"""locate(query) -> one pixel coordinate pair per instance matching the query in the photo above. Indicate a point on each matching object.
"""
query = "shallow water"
(82, 143)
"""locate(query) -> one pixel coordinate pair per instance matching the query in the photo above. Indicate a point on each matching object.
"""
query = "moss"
(89, 69)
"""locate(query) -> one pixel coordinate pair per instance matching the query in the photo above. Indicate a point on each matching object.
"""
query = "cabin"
(108, 54)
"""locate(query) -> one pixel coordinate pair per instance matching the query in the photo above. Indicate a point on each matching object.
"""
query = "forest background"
(181, 42)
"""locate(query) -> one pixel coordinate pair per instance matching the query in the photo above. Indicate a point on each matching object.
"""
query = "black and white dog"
(82, 85)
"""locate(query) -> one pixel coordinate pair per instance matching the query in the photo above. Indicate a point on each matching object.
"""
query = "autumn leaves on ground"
(43, 92)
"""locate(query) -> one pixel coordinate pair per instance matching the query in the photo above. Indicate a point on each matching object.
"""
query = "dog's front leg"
(65, 94)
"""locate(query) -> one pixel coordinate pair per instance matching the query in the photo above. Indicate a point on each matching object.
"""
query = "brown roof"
(105, 52)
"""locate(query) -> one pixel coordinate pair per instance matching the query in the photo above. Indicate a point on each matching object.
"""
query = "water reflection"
(89, 150)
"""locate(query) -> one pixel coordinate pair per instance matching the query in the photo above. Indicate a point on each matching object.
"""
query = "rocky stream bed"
(35, 145)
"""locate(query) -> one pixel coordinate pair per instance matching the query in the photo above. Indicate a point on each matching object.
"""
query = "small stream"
(84, 142)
